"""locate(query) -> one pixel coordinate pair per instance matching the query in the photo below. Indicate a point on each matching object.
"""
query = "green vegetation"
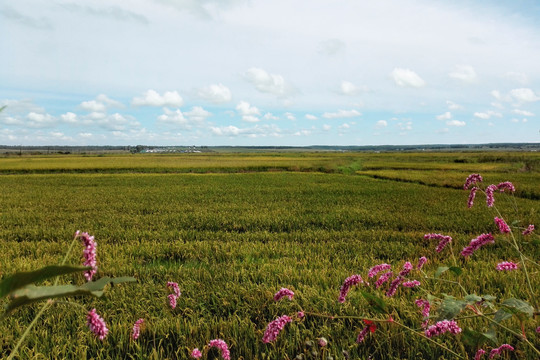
(234, 229)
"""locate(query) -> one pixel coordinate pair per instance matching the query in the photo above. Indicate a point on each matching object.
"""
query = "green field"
(232, 229)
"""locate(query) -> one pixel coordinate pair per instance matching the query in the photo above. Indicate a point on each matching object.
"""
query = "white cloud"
(348, 88)
(497, 105)
(523, 95)
(174, 117)
(497, 95)
(464, 73)
(405, 126)
(381, 124)
(523, 112)
(85, 135)
(290, 116)
(153, 98)
(225, 130)
(455, 123)
(118, 122)
(38, 120)
(215, 93)
(303, 133)
(93, 105)
(341, 114)
(249, 113)
(326, 127)
(344, 126)
(270, 116)
(311, 117)
(197, 114)
(488, 114)
(269, 83)
(453, 106)
(257, 131)
(69, 117)
(525, 120)
(514, 120)
(407, 78)
(446, 116)
(104, 99)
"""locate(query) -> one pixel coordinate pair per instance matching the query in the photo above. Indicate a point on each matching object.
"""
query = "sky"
(269, 73)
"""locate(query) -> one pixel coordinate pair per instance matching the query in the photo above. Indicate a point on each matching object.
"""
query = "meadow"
(232, 229)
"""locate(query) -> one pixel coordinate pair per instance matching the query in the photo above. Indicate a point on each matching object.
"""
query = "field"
(232, 229)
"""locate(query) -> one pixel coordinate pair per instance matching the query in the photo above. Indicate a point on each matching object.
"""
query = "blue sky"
(240, 72)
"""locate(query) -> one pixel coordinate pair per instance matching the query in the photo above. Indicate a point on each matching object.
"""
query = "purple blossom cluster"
(137, 329)
(89, 254)
(506, 185)
(273, 329)
(476, 243)
(350, 281)
(383, 278)
(497, 351)
(407, 267)
(528, 230)
(196, 353)
(97, 324)
(394, 286)
(507, 266)
(443, 240)
(411, 284)
(479, 354)
(490, 199)
(421, 262)
(503, 227)
(222, 346)
(472, 180)
(175, 293)
(378, 268)
(441, 327)
(426, 307)
(283, 292)
(472, 195)
(362, 335)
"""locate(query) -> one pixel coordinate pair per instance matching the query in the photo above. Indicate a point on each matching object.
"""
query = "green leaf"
(489, 297)
(456, 270)
(21, 279)
(375, 302)
(441, 269)
(519, 308)
(472, 299)
(450, 308)
(476, 339)
(501, 315)
(31, 293)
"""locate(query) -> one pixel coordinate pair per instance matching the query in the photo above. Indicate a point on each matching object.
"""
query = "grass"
(235, 230)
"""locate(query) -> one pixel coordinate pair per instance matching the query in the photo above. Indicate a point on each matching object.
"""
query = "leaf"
(476, 339)
(21, 279)
(441, 269)
(519, 308)
(31, 293)
(472, 299)
(489, 297)
(450, 308)
(375, 302)
(501, 315)
(456, 270)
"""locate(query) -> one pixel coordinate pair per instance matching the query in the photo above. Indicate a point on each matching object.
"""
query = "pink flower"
(394, 286)
(421, 262)
(137, 329)
(407, 267)
(89, 254)
(441, 327)
(498, 350)
(300, 314)
(424, 304)
(472, 179)
(443, 240)
(222, 346)
(96, 324)
(490, 200)
(528, 230)
(538, 330)
(503, 227)
(174, 287)
(479, 354)
(322, 342)
(274, 327)
(172, 300)
(362, 335)
(411, 284)
(377, 268)
(506, 266)
(196, 353)
(282, 293)
(350, 281)
(383, 278)
(475, 244)
(506, 185)
(472, 194)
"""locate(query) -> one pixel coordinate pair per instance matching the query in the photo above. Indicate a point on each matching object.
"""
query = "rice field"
(232, 229)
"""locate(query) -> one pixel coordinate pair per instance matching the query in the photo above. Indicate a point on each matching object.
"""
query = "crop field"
(232, 229)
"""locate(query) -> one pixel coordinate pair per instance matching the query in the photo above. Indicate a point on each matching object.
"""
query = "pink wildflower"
(322, 342)
(528, 230)
(378, 268)
(472, 195)
(506, 266)
(300, 314)
(222, 346)
(498, 350)
(503, 227)
(476, 243)
(394, 286)
(96, 324)
(424, 304)
(350, 281)
(421, 262)
(441, 327)
(443, 240)
(383, 278)
(490, 200)
(362, 335)
(407, 267)
(283, 292)
(274, 327)
(174, 287)
(472, 179)
(137, 329)
(506, 185)
(411, 284)
(479, 354)
(89, 254)
(196, 353)
(172, 300)
(538, 330)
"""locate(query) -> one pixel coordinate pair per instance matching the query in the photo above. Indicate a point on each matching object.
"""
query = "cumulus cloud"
(311, 117)
(464, 73)
(93, 105)
(349, 89)
(524, 95)
(381, 124)
(270, 116)
(253, 132)
(290, 116)
(326, 127)
(269, 83)
(446, 116)
(405, 126)
(341, 114)
(303, 132)
(455, 123)
(173, 117)
(39, 120)
(487, 115)
(453, 106)
(197, 114)
(69, 118)
(407, 78)
(523, 112)
(153, 98)
(118, 122)
(104, 99)
(331, 47)
(215, 93)
(249, 113)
